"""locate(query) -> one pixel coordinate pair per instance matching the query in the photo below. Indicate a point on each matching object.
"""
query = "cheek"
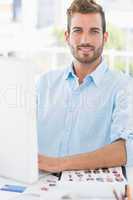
(74, 41)
(98, 42)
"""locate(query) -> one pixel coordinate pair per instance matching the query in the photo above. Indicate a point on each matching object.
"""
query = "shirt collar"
(96, 75)
(69, 73)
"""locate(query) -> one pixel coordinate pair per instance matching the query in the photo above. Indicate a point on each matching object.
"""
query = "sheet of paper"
(107, 175)
(93, 183)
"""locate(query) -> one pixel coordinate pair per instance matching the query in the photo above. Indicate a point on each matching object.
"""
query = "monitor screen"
(18, 138)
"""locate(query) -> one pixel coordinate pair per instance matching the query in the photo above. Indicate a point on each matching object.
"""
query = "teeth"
(85, 49)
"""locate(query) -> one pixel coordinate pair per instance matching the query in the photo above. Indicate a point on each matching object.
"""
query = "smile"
(86, 49)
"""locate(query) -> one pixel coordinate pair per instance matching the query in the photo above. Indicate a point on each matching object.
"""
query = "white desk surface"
(130, 177)
(34, 189)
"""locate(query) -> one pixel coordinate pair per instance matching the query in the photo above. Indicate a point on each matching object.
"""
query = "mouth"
(85, 50)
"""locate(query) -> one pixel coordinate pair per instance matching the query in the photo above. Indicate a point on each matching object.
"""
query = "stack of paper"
(93, 183)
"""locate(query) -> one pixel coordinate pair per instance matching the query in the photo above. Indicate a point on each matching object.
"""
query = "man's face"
(86, 38)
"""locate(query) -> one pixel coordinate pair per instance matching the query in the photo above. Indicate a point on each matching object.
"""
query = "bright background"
(34, 30)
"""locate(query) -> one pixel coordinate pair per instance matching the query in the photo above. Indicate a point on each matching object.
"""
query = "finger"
(41, 166)
(128, 194)
(39, 159)
(116, 195)
(123, 197)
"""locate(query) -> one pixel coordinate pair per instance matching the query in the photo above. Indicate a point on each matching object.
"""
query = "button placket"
(71, 104)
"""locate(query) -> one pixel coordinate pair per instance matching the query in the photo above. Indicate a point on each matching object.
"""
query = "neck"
(82, 70)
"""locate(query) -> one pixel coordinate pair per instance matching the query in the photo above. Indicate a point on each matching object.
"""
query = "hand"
(50, 164)
(122, 197)
(126, 196)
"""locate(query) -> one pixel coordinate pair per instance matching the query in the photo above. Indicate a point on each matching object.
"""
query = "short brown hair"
(85, 7)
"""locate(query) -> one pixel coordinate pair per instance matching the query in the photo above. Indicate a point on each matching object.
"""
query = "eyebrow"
(92, 28)
(76, 27)
(96, 28)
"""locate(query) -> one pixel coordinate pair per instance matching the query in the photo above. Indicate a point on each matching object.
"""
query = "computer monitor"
(18, 138)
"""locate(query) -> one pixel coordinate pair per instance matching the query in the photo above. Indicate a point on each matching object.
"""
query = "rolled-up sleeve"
(122, 119)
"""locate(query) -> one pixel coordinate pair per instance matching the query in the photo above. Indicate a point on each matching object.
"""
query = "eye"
(95, 32)
(76, 30)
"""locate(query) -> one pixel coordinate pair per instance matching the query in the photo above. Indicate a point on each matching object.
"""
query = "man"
(84, 111)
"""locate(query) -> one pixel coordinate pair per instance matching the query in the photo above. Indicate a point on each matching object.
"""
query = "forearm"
(109, 156)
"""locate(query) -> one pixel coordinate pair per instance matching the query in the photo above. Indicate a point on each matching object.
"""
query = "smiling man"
(85, 111)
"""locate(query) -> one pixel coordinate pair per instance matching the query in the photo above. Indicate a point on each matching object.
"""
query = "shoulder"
(117, 83)
(122, 84)
(119, 79)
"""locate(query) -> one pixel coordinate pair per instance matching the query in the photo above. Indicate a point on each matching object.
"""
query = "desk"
(130, 177)
(53, 195)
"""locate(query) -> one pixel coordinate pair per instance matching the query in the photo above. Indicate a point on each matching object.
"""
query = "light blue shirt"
(75, 118)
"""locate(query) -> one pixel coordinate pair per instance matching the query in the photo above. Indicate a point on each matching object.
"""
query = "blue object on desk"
(13, 188)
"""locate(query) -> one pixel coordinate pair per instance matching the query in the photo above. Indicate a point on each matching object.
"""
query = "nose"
(85, 38)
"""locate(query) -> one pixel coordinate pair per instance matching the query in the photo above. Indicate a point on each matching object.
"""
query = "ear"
(105, 37)
(67, 36)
